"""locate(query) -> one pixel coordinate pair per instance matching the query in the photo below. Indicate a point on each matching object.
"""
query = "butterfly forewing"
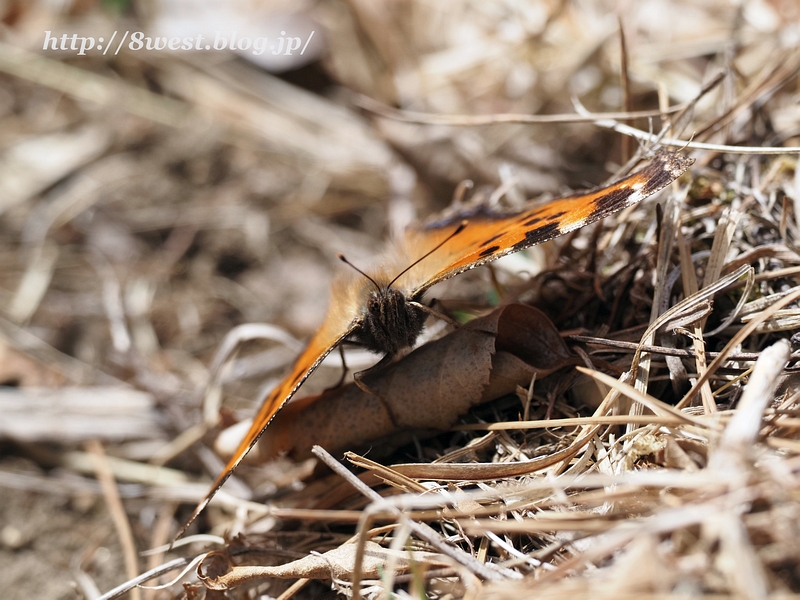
(340, 322)
(488, 236)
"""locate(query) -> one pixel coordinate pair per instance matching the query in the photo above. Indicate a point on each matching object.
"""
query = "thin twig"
(117, 510)
(605, 120)
(737, 339)
(421, 529)
(687, 352)
(421, 118)
(627, 102)
(151, 574)
(680, 143)
(574, 422)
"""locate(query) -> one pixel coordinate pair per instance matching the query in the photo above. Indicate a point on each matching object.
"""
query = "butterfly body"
(383, 313)
(390, 323)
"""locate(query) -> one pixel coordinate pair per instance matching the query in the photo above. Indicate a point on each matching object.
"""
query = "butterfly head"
(390, 322)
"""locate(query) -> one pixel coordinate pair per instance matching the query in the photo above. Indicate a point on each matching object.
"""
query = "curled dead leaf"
(427, 390)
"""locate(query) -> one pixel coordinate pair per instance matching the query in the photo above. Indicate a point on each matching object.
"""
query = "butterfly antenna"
(348, 263)
(458, 230)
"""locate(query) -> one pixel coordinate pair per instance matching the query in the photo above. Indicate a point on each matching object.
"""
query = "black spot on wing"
(489, 251)
(493, 238)
(665, 168)
(656, 179)
(550, 218)
(611, 201)
(538, 235)
(533, 221)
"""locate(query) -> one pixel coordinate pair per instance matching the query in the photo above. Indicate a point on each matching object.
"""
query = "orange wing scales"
(318, 348)
(488, 236)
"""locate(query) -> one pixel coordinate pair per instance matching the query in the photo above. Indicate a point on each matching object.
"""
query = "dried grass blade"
(136, 581)
(690, 288)
(653, 404)
(387, 474)
(493, 471)
(737, 339)
(743, 429)
(407, 116)
(573, 422)
(117, 510)
(90, 87)
(421, 529)
(670, 221)
(688, 303)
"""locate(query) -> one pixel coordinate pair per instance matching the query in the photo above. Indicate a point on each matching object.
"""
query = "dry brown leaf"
(428, 390)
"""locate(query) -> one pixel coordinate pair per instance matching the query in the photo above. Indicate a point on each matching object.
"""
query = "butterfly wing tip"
(182, 530)
(198, 509)
(674, 163)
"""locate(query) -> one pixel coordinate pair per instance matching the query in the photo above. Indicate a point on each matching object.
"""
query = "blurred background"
(155, 196)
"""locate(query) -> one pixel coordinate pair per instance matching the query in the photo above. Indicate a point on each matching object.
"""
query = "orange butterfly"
(384, 313)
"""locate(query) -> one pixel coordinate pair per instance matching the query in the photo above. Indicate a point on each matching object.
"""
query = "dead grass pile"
(169, 223)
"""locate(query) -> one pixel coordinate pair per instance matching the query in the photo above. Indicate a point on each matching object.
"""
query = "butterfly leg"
(357, 377)
(344, 368)
(498, 287)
